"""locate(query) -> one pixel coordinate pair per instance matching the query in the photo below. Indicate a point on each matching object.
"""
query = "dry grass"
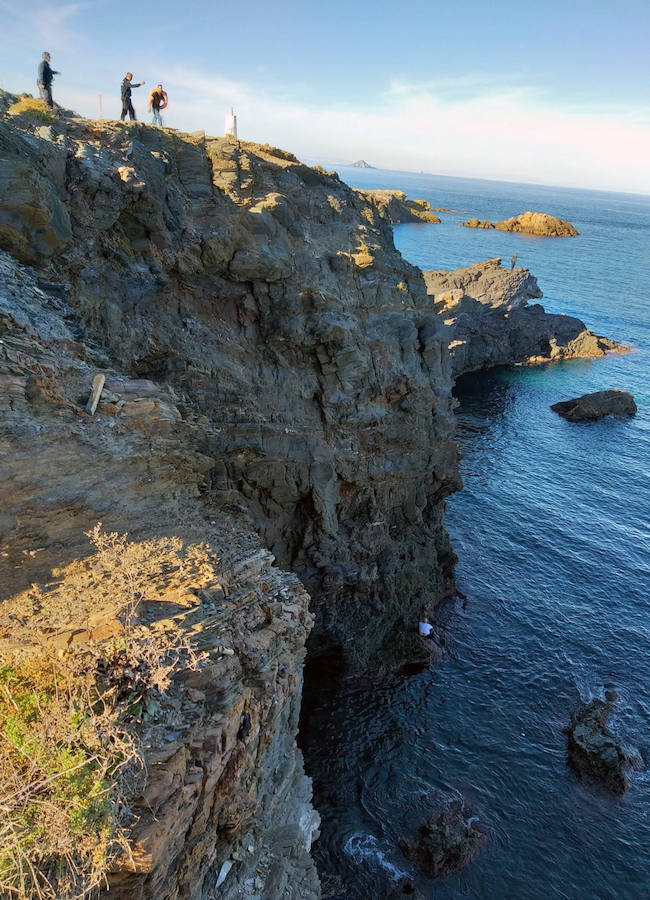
(70, 713)
(65, 771)
(32, 110)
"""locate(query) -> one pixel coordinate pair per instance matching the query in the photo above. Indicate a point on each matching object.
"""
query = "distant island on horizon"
(361, 164)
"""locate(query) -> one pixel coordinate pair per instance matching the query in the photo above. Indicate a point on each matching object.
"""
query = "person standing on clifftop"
(157, 101)
(127, 106)
(45, 79)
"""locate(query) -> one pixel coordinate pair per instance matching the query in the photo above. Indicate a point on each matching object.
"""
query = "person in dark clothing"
(45, 79)
(127, 106)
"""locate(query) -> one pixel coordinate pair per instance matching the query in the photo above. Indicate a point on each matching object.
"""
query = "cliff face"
(277, 385)
(226, 791)
(489, 321)
(302, 348)
(398, 209)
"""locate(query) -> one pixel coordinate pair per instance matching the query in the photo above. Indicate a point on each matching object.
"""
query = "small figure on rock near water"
(45, 79)
(127, 106)
(157, 100)
(425, 628)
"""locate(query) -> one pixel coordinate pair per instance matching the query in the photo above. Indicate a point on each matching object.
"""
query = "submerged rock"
(478, 223)
(591, 407)
(446, 842)
(594, 751)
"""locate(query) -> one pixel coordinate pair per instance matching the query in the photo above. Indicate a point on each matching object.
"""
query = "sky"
(536, 91)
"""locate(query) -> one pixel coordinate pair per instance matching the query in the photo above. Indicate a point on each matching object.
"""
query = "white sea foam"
(363, 847)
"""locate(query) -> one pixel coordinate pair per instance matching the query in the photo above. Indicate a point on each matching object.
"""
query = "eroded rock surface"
(277, 384)
(591, 407)
(594, 751)
(536, 223)
(447, 842)
(490, 322)
(216, 792)
(478, 223)
(398, 209)
(269, 298)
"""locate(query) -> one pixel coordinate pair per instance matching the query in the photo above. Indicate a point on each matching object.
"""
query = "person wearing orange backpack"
(157, 100)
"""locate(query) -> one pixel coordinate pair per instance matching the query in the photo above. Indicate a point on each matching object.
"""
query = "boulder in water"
(591, 407)
(594, 751)
(446, 842)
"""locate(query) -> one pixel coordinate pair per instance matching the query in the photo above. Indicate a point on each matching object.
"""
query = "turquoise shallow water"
(552, 534)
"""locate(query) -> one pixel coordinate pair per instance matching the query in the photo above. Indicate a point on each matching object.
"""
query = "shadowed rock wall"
(269, 297)
(272, 365)
(489, 322)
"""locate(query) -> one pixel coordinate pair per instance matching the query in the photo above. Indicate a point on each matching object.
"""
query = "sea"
(552, 534)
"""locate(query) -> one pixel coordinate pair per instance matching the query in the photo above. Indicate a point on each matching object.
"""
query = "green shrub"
(70, 763)
(63, 747)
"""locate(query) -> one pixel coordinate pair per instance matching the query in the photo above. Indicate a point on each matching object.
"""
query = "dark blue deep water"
(552, 534)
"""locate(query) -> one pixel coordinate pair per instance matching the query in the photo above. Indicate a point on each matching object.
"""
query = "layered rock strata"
(399, 210)
(536, 223)
(270, 298)
(490, 321)
(271, 365)
(218, 794)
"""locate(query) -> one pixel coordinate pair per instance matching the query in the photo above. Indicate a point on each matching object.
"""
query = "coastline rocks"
(489, 322)
(445, 843)
(275, 375)
(394, 205)
(536, 223)
(591, 407)
(478, 223)
(595, 752)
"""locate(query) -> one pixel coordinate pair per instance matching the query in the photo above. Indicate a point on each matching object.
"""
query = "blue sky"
(527, 91)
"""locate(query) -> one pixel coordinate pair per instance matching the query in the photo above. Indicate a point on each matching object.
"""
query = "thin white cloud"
(43, 23)
(475, 125)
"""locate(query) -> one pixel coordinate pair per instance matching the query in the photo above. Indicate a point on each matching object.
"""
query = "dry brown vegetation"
(78, 672)
(32, 110)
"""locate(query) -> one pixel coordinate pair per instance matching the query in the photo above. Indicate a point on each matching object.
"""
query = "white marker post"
(231, 123)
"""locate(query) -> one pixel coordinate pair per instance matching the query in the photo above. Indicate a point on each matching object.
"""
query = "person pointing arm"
(44, 79)
(127, 105)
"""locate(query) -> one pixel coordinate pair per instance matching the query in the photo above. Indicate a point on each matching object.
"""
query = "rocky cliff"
(225, 791)
(398, 209)
(277, 386)
(490, 322)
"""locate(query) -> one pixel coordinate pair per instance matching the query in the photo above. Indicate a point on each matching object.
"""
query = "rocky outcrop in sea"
(446, 842)
(536, 223)
(490, 321)
(594, 751)
(591, 407)
(398, 209)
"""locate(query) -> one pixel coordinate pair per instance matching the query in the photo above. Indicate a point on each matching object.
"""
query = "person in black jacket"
(127, 106)
(45, 78)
